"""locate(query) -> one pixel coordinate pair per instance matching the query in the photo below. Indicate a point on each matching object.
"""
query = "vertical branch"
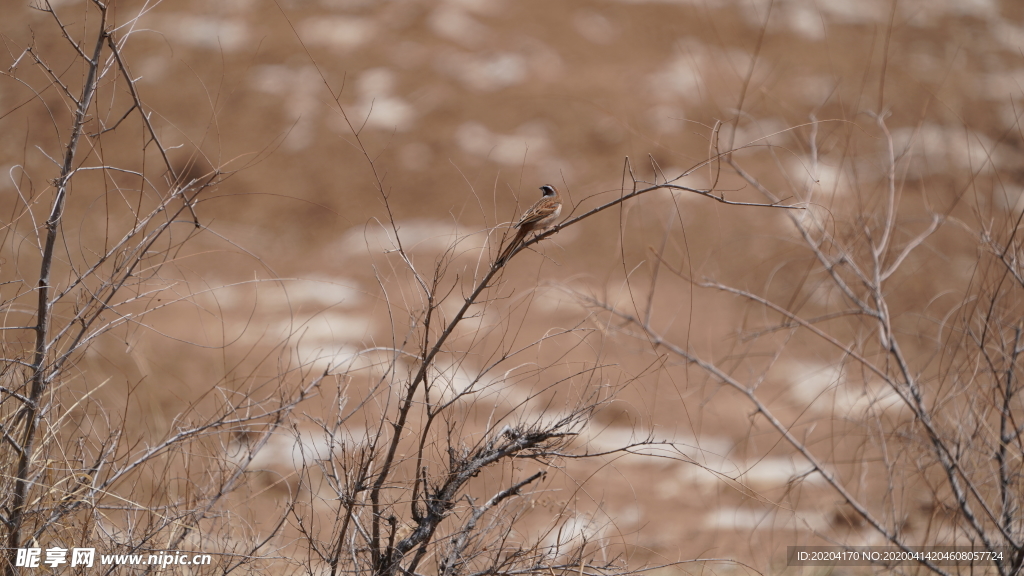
(746, 80)
(1006, 435)
(31, 411)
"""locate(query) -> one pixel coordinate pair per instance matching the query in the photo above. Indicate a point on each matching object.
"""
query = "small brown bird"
(538, 218)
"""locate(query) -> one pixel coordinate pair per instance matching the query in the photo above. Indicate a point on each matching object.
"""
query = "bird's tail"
(512, 246)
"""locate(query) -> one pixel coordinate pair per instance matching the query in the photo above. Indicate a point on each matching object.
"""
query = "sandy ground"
(468, 106)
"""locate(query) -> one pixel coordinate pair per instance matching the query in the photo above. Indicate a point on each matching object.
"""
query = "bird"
(538, 218)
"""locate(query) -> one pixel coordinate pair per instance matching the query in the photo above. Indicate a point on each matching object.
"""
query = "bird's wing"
(538, 212)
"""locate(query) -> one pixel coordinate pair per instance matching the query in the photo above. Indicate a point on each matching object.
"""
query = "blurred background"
(467, 106)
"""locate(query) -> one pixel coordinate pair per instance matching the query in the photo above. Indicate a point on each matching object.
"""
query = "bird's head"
(548, 190)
